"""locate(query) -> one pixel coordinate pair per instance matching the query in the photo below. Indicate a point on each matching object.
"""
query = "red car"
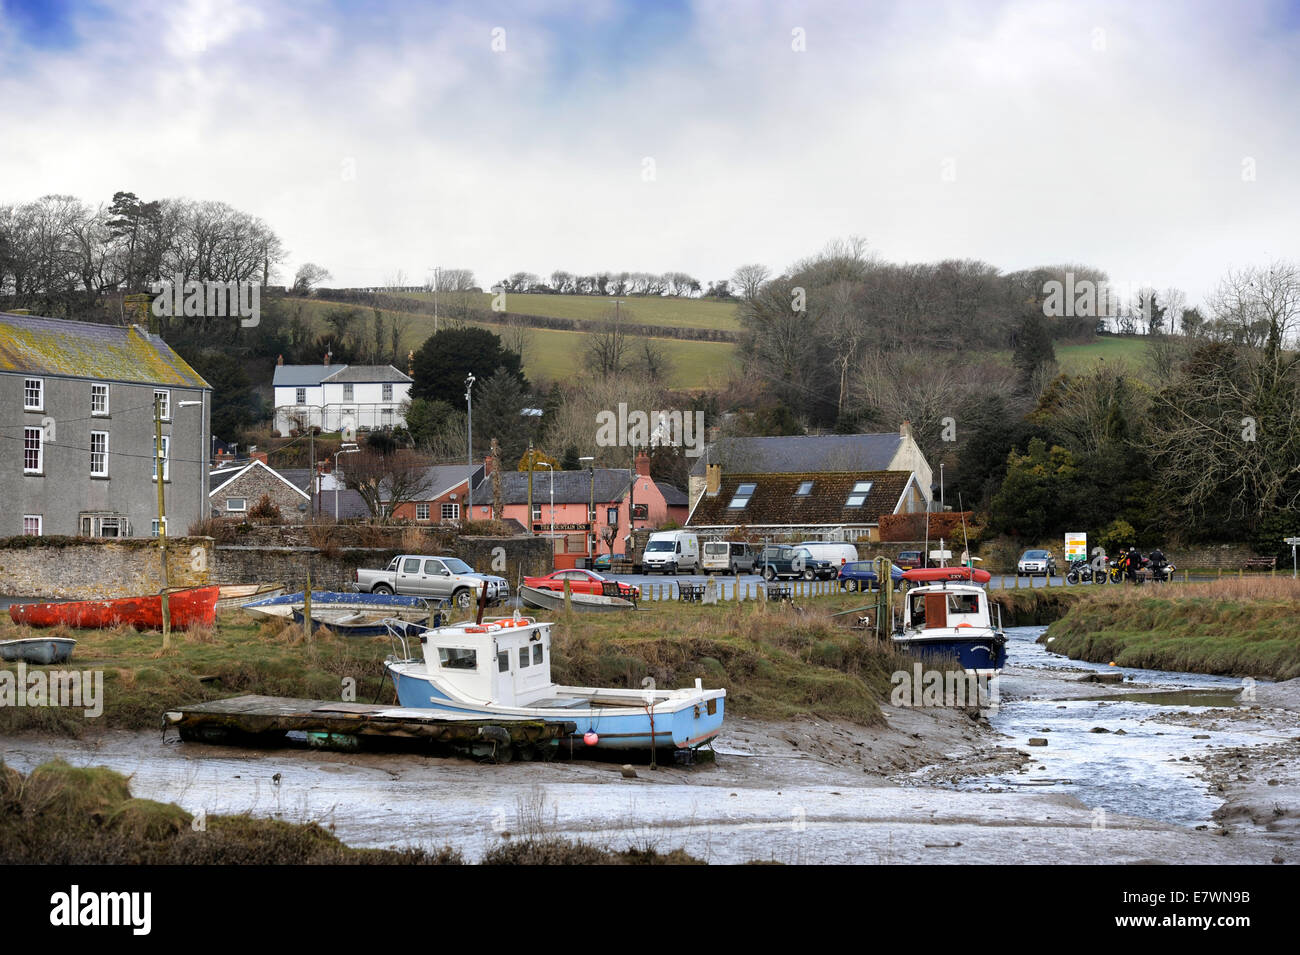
(581, 582)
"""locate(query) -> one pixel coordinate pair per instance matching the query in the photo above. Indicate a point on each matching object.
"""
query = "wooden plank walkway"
(267, 718)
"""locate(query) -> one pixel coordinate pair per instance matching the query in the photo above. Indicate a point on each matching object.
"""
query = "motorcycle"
(1162, 573)
(1081, 571)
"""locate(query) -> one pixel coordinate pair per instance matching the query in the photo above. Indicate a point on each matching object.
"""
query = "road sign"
(1293, 541)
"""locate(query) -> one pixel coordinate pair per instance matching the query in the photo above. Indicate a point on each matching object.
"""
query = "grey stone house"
(236, 491)
(77, 430)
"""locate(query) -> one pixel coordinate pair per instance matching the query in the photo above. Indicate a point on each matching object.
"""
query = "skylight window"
(858, 496)
(743, 493)
(804, 489)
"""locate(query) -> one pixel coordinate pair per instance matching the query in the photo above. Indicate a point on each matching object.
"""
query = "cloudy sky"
(1156, 141)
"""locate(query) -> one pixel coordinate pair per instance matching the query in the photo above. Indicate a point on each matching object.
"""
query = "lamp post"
(469, 479)
(591, 511)
(547, 465)
(160, 474)
(338, 454)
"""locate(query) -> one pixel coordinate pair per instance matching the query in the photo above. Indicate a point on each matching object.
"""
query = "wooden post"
(736, 594)
(568, 596)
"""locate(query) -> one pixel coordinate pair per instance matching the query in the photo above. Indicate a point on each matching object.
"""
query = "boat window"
(523, 656)
(918, 609)
(457, 658)
(537, 653)
(503, 661)
(963, 603)
(411, 566)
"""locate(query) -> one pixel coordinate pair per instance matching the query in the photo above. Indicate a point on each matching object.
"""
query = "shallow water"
(1136, 767)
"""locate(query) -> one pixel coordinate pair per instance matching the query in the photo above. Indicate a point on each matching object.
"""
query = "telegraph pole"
(162, 520)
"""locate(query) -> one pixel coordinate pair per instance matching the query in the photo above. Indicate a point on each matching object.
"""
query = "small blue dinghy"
(42, 651)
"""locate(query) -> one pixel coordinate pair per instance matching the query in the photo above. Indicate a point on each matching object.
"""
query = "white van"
(838, 554)
(671, 551)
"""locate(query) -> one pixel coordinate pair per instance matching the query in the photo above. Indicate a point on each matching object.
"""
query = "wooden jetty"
(267, 721)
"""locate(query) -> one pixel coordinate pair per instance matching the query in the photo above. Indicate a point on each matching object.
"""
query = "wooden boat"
(39, 650)
(353, 623)
(501, 668)
(234, 596)
(588, 603)
(195, 607)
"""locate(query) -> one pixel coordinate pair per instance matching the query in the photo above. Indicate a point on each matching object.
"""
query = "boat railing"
(399, 634)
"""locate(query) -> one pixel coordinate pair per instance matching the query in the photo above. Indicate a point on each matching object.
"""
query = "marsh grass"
(1231, 627)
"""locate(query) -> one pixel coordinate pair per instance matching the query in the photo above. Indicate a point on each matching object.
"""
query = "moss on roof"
(53, 346)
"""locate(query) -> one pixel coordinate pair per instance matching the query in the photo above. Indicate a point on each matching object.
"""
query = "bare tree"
(750, 278)
(387, 481)
(308, 276)
(607, 346)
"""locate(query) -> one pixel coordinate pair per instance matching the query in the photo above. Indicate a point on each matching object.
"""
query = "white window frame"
(153, 526)
(40, 525)
(386, 391)
(230, 505)
(39, 389)
(537, 512)
(103, 453)
(167, 460)
(300, 396)
(164, 412)
(348, 392)
(422, 512)
(40, 450)
(451, 512)
(97, 391)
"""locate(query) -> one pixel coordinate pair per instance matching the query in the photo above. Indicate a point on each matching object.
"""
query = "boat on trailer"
(949, 616)
(325, 600)
(502, 667)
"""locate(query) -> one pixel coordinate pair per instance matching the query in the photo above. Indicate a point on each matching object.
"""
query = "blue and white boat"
(365, 623)
(502, 667)
(952, 619)
(328, 600)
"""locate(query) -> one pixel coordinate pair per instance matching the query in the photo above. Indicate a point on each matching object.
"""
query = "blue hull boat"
(952, 620)
(325, 600)
(502, 667)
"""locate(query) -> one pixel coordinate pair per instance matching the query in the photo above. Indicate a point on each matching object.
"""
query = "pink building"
(622, 500)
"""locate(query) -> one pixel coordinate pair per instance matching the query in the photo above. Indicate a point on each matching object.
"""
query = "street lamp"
(547, 465)
(469, 478)
(591, 510)
(159, 475)
(338, 454)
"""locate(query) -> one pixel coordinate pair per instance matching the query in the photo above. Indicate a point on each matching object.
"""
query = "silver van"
(730, 557)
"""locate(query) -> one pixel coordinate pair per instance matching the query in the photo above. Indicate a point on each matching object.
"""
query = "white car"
(1036, 563)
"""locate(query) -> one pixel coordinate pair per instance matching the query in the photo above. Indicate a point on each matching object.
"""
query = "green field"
(1129, 349)
(675, 312)
(554, 355)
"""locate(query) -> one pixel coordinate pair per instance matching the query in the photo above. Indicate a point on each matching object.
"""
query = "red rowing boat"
(196, 607)
(947, 573)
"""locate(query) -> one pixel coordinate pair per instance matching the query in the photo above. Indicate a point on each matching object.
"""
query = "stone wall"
(332, 568)
(254, 483)
(72, 567)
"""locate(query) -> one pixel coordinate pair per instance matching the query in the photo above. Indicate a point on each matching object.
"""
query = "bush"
(265, 511)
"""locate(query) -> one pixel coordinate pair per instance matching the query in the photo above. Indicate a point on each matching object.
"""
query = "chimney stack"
(905, 430)
(712, 479)
(259, 456)
(643, 463)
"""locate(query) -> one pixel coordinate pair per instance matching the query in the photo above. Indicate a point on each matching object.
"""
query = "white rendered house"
(336, 397)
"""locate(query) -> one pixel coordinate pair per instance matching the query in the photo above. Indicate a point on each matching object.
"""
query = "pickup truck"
(780, 560)
(445, 578)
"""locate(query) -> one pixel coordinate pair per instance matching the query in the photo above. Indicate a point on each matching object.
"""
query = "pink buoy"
(590, 738)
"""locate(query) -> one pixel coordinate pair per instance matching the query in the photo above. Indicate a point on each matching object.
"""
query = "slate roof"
(367, 374)
(790, 454)
(571, 487)
(57, 346)
(774, 501)
(301, 376)
(673, 497)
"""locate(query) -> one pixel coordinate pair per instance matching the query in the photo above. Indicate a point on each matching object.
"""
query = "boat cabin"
(933, 608)
(506, 661)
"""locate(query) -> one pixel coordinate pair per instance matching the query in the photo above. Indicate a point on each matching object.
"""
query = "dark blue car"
(861, 575)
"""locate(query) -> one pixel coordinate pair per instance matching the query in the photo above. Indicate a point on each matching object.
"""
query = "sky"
(1157, 141)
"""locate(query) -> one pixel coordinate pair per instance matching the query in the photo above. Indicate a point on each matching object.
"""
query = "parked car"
(581, 582)
(448, 578)
(670, 552)
(910, 559)
(1036, 563)
(603, 561)
(861, 575)
(782, 560)
(732, 557)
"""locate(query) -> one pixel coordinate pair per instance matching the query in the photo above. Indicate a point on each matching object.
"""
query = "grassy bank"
(65, 815)
(774, 663)
(1227, 627)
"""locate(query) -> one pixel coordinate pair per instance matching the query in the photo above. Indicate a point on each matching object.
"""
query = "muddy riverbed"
(1190, 778)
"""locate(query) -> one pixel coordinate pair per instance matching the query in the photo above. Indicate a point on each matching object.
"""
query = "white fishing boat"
(502, 667)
